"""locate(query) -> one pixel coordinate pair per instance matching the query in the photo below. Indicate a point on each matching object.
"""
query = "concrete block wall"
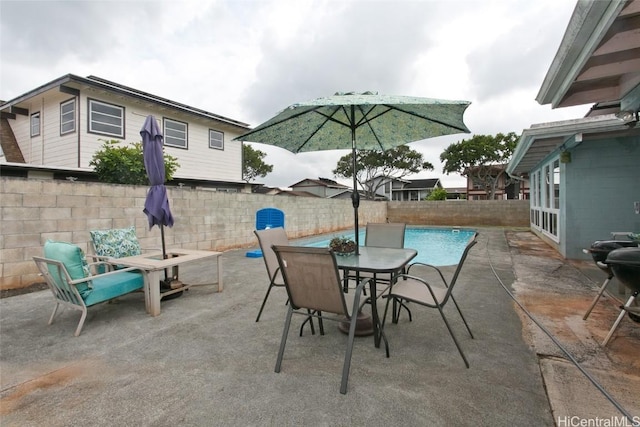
(503, 213)
(34, 210)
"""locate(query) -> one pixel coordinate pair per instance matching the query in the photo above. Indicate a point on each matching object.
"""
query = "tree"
(481, 158)
(437, 194)
(252, 164)
(125, 164)
(381, 165)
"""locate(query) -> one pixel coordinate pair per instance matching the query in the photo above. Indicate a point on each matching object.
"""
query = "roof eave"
(588, 25)
(114, 87)
(563, 132)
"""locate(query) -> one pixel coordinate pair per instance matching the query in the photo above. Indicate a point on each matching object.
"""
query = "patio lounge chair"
(313, 283)
(69, 276)
(407, 287)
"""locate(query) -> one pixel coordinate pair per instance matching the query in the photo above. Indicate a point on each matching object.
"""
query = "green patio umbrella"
(365, 121)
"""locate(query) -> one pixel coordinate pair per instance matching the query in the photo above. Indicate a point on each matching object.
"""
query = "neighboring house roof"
(296, 193)
(497, 168)
(72, 84)
(423, 183)
(321, 182)
(344, 194)
(404, 181)
(599, 56)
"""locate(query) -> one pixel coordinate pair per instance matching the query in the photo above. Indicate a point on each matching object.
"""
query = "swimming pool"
(435, 246)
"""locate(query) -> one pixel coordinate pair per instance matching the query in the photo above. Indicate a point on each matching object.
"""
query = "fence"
(34, 210)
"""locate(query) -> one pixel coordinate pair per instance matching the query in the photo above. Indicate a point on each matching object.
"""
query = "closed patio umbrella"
(156, 205)
(359, 120)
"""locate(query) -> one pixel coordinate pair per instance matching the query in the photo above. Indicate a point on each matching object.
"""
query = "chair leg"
(462, 316)
(310, 320)
(347, 357)
(81, 323)
(398, 305)
(264, 301)
(595, 300)
(320, 323)
(55, 310)
(283, 341)
(466, 362)
(617, 322)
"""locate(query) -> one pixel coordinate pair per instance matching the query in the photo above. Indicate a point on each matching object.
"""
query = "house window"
(106, 119)
(68, 116)
(175, 133)
(35, 124)
(216, 139)
(545, 199)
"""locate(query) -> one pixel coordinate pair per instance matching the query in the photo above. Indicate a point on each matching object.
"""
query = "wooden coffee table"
(154, 265)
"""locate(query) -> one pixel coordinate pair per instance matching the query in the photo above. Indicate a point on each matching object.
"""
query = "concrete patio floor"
(205, 361)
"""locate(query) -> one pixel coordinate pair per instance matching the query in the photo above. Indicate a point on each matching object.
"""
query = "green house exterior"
(585, 174)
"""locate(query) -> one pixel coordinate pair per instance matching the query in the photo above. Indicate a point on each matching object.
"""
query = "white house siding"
(58, 150)
(198, 161)
(201, 162)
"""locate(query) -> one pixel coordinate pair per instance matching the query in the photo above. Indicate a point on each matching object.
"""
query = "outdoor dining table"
(153, 266)
(377, 261)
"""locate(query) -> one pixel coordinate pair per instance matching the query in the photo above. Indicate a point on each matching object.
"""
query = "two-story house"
(494, 176)
(62, 124)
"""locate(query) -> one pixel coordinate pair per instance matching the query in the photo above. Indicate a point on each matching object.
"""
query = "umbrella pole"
(355, 196)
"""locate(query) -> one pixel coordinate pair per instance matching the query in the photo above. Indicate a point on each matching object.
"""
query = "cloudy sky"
(249, 59)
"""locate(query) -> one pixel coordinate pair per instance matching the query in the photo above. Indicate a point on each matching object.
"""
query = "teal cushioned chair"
(69, 276)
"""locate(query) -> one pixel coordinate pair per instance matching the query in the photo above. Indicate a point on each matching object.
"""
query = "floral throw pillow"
(116, 243)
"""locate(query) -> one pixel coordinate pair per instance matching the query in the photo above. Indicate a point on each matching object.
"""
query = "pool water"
(435, 246)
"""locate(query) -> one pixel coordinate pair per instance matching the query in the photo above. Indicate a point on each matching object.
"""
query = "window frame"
(213, 147)
(90, 103)
(73, 115)
(168, 138)
(33, 116)
(545, 199)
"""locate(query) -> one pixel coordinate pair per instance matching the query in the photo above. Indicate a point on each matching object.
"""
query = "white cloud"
(248, 59)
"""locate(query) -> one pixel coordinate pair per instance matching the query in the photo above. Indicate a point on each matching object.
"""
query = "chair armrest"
(99, 261)
(420, 280)
(108, 273)
(431, 266)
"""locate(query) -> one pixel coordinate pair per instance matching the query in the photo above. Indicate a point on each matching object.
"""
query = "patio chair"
(314, 287)
(407, 287)
(74, 284)
(386, 235)
(267, 238)
(111, 244)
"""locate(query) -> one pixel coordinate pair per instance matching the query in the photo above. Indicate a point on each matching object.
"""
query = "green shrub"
(438, 194)
(124, 164)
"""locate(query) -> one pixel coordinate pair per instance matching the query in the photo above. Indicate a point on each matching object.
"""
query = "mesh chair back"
(385, 235)
(311, 278)
(470, 243)
(267, 238)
